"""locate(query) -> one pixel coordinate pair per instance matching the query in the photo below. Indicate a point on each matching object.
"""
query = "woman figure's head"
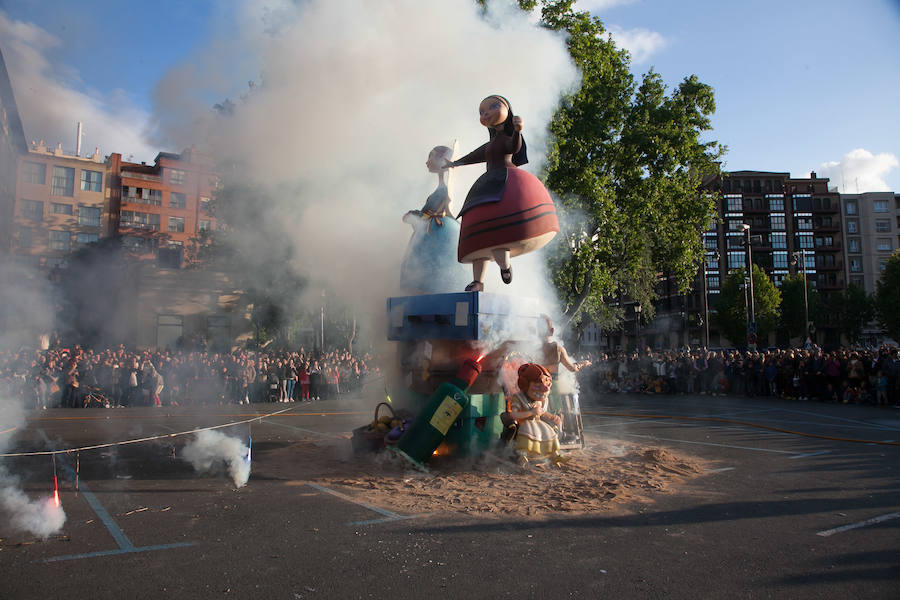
(438, 158)
(496, 114)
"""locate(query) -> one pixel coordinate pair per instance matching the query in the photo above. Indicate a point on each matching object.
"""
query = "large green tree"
(850, 309)
(731, 311)
(626, 161)
(794, 305)
(887, 296)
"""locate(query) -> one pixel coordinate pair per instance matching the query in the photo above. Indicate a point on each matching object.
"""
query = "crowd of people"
(78, 377)
(848, 376)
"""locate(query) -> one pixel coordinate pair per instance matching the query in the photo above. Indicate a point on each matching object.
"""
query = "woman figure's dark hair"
(521, 157)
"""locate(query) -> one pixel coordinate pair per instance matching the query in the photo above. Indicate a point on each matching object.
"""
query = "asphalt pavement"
(800, 500)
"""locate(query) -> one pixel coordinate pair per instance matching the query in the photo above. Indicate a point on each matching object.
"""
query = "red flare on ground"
(478, 360)
(55, 491)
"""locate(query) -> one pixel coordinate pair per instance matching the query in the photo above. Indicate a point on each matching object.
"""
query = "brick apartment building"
(61, 204)
(160, 208)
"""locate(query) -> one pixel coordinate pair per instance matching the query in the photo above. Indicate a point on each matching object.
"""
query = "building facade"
(872, 232)
(792, 225)
(12, 145)
(160, 209)
(61, 204)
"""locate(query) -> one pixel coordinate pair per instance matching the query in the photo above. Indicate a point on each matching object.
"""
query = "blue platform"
(475, 316)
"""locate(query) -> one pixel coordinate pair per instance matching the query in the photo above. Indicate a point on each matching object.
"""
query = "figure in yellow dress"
(537, 434)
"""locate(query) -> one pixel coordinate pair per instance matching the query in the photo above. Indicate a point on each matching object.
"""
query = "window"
(735, 260)
(851, 208)
(176, 224)
(91, 181)
(204, 203)
(882, 264)
(776, 204)
(58, 208)
(89, 216)
(778, 279)
(802, 202)
(33, 172)
(884, 244)
(880, 206)
(140, 220)
(710, 242)
(776, 222)
(177, 200)
(26, 235)
(176, 176)
(203, 225)
(142, 195)
(853, 245)
(735, 225)
(32, 209)
(857, 281)
(805, 240)
(733, 203)
(60, 240)
(882, 225)
(86, 238)
(712, 282)
(734, 241)
(852, 226)
(804, 223)
(779, 240)
(855, 265)
(63, 182)
(780, 260)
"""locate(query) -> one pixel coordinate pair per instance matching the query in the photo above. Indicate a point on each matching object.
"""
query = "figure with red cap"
(537, 430)
(508, 211)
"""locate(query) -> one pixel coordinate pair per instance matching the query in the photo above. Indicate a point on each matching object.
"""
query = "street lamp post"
(637, 327)
(801, 257)
(715, 256)
(750, 280)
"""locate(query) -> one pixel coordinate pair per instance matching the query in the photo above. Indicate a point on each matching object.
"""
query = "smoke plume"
(212, 452)
(348, 98)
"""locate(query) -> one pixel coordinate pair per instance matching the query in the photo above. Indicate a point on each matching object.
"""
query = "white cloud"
(52, 98)
(641, 43)
(860, 171)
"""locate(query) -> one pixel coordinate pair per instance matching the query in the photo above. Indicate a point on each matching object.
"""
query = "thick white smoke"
(349, 97)
(38, 516)
(211, 452)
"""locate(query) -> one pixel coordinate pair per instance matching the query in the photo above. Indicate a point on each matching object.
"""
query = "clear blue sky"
(799, 84)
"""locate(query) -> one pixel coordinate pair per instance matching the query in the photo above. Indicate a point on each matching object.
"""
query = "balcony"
(141, 176)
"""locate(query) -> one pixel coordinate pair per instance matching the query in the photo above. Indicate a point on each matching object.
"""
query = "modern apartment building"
(872, 232)
(791, 224)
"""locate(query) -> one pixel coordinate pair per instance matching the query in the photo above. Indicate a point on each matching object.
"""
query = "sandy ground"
(605, 476)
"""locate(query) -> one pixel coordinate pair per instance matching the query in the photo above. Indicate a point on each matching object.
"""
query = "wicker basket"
(370, 440)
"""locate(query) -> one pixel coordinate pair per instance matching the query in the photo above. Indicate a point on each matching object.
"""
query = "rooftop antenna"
(78, 140)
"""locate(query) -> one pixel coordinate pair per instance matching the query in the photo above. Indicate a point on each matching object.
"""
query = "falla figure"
(429, 266)
(508, 211)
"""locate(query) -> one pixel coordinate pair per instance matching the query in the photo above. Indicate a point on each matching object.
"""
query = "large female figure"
(508, 211)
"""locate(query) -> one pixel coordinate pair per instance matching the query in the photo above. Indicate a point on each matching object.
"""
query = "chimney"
(812, 175)
(78, 140)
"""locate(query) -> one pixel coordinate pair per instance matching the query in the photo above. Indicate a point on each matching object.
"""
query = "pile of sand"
(604, 476)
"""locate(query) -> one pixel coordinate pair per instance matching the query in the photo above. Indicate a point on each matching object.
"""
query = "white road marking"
(809, 454)
(650, 437)
(865, 523)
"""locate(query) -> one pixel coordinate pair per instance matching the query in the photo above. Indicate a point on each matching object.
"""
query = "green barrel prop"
(430, 426)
